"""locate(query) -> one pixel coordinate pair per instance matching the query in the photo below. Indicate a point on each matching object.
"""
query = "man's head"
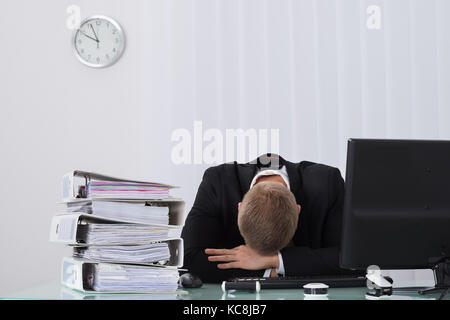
(268, 217)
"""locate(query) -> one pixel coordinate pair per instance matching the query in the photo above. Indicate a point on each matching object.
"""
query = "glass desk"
(55, 291)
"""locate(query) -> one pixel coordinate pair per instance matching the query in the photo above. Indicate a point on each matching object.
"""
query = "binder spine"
(64, 229)
(67, 187)
(72, 273)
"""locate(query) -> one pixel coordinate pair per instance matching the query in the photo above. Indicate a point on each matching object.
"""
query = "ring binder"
(71, 185)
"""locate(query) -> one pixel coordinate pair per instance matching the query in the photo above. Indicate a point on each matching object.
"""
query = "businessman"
(270, 217)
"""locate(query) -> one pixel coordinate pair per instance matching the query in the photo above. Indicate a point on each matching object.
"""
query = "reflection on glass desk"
(55, 291)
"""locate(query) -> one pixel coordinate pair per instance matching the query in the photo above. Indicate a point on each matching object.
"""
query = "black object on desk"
(340, 281)
(189, 280)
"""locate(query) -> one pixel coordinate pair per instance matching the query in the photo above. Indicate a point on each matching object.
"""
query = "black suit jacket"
(212, 221)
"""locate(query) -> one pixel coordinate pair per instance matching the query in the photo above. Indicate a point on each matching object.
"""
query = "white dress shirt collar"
(271, 172)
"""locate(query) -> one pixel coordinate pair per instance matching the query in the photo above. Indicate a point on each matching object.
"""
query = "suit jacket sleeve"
(204, 229)
(324, 260)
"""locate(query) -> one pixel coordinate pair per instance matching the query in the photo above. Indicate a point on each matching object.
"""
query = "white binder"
(64, 228)
(73, 180)
(74, 275)
(176, 208)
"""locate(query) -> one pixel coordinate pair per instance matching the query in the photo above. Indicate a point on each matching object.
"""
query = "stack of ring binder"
(125, 234)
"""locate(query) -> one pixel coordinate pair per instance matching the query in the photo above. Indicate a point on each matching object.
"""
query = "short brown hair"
(268, 217)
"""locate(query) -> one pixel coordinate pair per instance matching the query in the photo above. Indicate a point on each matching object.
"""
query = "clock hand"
(86, 35)
(95, 34)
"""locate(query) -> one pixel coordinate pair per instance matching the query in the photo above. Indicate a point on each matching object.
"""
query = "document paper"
(126, 278)
(119, 233)
(119, 189)
(136, 254)
(133, 212)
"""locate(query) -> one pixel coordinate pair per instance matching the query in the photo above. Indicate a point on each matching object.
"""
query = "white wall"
(310, 68)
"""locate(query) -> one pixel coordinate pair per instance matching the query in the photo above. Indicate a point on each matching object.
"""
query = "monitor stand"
(441, 269)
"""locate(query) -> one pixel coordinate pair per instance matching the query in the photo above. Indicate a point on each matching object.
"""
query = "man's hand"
(242, 257)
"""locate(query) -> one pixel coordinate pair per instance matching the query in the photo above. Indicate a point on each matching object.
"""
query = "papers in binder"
(136, 254)
(92, 233)
(118, 233)
(82, 230)
(119, 278)
(155, 212)
(114, 278)
(118, 189)
(133, 212)
(82, 184)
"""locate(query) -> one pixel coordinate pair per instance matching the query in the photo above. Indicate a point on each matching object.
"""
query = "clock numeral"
(98, 22)
(114, 49)
(107, 56)
(98, 59)
(89, 57)
(117, 40)
(82, 50)
(114, 31)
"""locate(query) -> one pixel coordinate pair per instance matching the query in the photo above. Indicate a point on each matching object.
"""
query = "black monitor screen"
(397, 203)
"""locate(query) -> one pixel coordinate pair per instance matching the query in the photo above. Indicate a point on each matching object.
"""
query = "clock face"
(99, 42)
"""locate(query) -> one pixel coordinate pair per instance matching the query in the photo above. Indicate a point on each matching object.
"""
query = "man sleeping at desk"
(270, 217)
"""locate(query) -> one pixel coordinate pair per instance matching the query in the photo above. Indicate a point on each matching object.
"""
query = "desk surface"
(55, 291)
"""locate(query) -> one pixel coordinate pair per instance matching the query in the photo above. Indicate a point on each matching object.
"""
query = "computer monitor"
(397, 204)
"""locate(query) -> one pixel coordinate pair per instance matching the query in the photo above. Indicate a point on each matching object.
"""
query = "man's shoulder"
(223, 170)
(220, 168)
(310, 168)
(316, 177)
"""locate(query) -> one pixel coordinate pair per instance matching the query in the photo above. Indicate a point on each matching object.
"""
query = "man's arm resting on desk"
(197, 263)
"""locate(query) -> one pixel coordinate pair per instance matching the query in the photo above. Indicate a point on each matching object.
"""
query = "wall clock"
(99, 42)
